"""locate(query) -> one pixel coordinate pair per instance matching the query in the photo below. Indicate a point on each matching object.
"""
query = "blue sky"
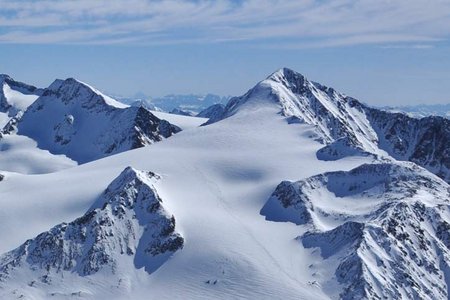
(380, 51)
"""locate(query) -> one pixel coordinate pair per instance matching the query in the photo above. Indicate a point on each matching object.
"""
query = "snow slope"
(382, 230)
(20, 154)
(348, 127)
(184, 122)
(127, 228)
(16, 96)
(76, 120)
(215, 180)
(4, 118)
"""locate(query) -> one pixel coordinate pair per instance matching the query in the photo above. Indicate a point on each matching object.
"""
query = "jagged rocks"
(128, 225)
(341, 148)
(16, 96)
(425, 141)
(346, 237)
(348, 127)
(74, 119)
(287, 204)
(382, 228)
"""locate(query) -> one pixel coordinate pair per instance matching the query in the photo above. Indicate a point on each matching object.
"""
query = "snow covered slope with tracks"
(329, 228)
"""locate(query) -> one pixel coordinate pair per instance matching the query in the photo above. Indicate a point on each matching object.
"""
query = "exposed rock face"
(15, 96)
(74, 119)
(127, 225)
(348, 127)
(389, 235)
(213, 112)
(425, 141)
(341, 148)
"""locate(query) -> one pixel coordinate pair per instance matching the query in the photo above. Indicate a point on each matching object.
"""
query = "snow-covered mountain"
(381, 231)
(145, 104)
(76, 120)
(127, 229)
(212, 112)
(294, 191)
(347, 126)
(15, 97)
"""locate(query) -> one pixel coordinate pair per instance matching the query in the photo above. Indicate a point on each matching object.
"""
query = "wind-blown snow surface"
(127, 229)
(184, 122)
(20, 154)
(348, 127)
(214, 180)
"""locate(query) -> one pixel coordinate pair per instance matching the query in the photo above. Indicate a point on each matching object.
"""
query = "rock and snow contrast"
(212, 112)
(291, 191)
(76, 120)
(348, 126)
(127, 229)
(15, 97)
(379, 231)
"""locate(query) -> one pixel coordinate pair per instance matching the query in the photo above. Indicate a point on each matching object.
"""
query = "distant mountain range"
(422, 110)
(192, 103)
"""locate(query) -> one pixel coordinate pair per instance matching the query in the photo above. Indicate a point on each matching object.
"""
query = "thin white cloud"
(304, 23)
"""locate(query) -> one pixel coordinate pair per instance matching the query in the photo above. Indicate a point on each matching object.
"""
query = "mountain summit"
(16, 96)
(74, 119)
(351, 218)
(127, 227)
(348, 127)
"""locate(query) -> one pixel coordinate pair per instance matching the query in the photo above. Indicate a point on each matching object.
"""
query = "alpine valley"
(290, 191)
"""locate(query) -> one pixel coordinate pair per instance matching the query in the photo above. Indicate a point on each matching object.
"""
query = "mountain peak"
(292, 80)
(74, 89)
(130, 174)
(58, 83)
(128, 228)
(79, 121)
(285, 72)
(16, 96)
(344, 124)
(4, 77)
